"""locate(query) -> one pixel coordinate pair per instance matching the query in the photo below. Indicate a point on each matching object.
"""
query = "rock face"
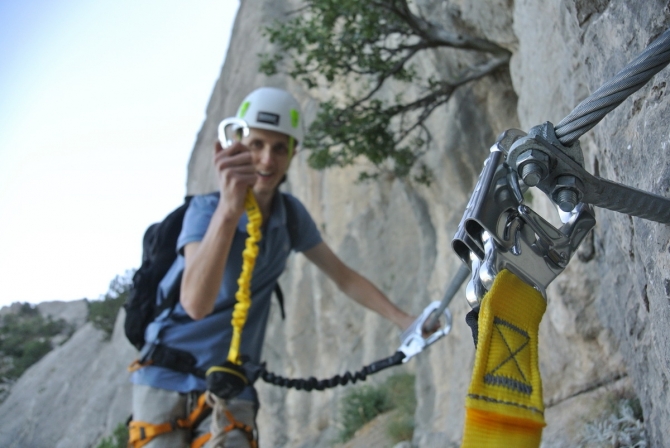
(74, 396)
(75, 312)
(608, 313)
(603, 337)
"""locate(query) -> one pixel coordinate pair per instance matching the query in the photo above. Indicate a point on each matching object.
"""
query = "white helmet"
(272, 109)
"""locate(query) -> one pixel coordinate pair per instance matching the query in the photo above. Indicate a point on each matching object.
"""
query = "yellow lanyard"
(243, 295)
(504, 406)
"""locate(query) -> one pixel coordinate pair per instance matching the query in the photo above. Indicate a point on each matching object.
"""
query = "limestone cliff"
(608, 313)
(605, 331)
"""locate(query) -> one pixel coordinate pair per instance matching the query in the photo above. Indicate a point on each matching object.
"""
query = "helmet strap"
(291, 146)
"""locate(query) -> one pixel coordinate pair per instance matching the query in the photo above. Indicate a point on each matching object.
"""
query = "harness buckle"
(412, 338)
(499, 231)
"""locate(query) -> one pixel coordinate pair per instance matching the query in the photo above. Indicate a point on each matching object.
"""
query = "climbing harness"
(141, 433)
(514, 254)
(220, 428)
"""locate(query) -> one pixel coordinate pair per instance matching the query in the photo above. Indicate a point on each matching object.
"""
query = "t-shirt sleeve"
(307, 235)
(197, 218)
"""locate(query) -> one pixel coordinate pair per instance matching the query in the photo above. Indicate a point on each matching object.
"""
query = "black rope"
(309, 384)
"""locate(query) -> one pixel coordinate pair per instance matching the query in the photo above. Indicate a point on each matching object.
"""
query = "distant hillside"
(76, 394)
(28, 332)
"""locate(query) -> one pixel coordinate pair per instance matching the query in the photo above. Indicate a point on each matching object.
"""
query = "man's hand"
(430, 326)
(236, 173)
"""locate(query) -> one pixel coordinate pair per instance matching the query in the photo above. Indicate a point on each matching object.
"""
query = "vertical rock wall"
(604, 333)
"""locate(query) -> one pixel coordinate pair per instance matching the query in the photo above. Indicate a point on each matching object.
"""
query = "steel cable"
(630, 79)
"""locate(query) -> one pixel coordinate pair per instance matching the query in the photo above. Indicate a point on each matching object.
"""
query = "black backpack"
(159, 251)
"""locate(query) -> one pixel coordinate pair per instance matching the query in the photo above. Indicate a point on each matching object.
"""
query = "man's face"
(271, 158)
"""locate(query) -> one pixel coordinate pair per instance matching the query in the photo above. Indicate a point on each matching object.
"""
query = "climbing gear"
(235, 373)
(163, 356)
(141, 433)
(160, 239)
(219, 432)
(514, 254)
(412, 343)
(243, 295)
(229, 379)
(504, 401)
(160, 242)
(180, 361)
(272, 109)
(499, 231)
(451, 290)
(413, 339)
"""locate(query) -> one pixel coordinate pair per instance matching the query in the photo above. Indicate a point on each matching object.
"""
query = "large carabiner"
(413, 341)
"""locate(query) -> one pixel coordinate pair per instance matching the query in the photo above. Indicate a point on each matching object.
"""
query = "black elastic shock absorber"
(312, 383)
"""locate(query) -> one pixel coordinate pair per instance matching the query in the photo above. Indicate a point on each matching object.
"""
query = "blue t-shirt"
(208, 339)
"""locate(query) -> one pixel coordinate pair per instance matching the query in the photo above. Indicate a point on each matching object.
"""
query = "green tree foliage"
(362, 404)
(365, 45)
(25, 337)
(359, 406)
(118, 439)
(103, 312)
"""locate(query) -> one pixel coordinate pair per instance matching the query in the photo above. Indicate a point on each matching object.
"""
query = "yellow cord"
(243, 295)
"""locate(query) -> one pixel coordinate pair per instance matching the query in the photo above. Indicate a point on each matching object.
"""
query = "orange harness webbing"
(141, 433)
(247, 430)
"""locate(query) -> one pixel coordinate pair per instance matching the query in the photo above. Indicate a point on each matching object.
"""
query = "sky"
(100, 105)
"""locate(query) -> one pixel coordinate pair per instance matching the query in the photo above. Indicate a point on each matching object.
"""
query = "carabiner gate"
(412, 339)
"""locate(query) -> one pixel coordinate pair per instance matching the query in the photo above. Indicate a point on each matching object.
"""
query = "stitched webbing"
(504, 404)
(243, 295)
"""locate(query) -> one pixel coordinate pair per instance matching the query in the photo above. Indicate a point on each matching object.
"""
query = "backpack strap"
(292, 227)
(291, 220)
(280, 299)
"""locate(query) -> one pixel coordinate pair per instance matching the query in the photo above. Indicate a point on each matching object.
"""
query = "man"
(198, 331)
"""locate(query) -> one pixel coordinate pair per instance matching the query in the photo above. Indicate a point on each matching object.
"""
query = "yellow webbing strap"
(504, 405)
(243, 295)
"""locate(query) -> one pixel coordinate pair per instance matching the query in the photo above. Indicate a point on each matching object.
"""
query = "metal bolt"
(532, 165)
(531, 173)
(567, 199)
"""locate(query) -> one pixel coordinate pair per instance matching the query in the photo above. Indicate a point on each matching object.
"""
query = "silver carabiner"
(412, 339)
(232, 130)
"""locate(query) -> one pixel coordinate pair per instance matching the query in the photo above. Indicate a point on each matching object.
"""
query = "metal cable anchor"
(541, 160)
(499, 231)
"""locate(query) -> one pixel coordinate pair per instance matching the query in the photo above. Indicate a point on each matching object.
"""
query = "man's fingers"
(245, 174)
(430, 325)
(223, 160)
(235, 148)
